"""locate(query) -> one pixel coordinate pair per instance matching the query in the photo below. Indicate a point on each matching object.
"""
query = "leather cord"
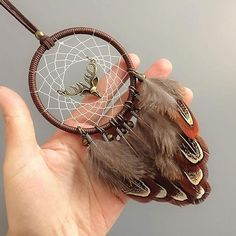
(18, 15)
(44, 39)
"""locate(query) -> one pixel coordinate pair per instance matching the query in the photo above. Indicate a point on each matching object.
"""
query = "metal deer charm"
(90, 78)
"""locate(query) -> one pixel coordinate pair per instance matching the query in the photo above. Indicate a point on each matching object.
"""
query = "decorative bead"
(110, 137)
(39, 34)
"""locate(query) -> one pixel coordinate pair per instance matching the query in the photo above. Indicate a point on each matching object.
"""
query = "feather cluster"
(162, 157)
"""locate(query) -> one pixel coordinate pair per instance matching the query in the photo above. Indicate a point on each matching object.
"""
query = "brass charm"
(90, 78)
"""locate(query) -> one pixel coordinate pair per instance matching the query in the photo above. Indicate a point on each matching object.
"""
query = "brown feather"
(115, 163)
(162, 158)
(186, 120)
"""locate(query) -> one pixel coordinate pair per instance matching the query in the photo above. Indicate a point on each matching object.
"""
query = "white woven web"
(65, 65)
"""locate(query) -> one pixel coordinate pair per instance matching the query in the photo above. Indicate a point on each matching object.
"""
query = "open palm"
(48, 189)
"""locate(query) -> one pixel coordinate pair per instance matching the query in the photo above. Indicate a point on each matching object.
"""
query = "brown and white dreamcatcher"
(141, 137)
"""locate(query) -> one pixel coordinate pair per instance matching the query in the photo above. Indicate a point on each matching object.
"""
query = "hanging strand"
(18, 15)
(44, 39)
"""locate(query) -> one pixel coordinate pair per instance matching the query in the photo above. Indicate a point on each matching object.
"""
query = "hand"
(48, 189)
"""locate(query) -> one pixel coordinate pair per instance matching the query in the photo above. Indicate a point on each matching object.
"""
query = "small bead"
(39, 34)
(110, 137)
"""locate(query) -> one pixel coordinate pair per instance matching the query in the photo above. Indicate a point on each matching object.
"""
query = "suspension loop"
(21, 18)
(135, 92)
(106, 137)
(86, 138)
(127, 124)
(140, 76)
(129, 105)
(118, 123)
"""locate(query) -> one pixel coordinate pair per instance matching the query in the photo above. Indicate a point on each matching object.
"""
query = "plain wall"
(199, 38)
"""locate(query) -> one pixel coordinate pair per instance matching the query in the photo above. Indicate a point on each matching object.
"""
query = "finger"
(187, 95)
(19, 130)
(160, 69)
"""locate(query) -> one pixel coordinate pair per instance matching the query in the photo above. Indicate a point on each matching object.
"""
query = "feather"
(166, 97)
(180, 154)
(186, 120)
(118, 165)
(162, 157)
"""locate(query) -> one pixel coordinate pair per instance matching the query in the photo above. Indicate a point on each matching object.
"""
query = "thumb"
(19, 130)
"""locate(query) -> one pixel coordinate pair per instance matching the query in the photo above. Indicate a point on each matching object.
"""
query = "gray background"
(199, 37)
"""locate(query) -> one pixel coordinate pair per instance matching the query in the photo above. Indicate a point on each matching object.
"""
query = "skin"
(48, 189)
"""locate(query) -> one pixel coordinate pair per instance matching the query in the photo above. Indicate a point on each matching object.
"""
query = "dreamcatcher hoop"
(48, 44)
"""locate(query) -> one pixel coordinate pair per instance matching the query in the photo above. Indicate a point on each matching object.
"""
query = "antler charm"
(90, 78)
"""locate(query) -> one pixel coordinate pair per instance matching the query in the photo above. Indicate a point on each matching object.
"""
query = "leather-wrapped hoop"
(43, 48)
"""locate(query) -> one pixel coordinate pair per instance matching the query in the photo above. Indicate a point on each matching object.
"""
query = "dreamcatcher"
(141, 137)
